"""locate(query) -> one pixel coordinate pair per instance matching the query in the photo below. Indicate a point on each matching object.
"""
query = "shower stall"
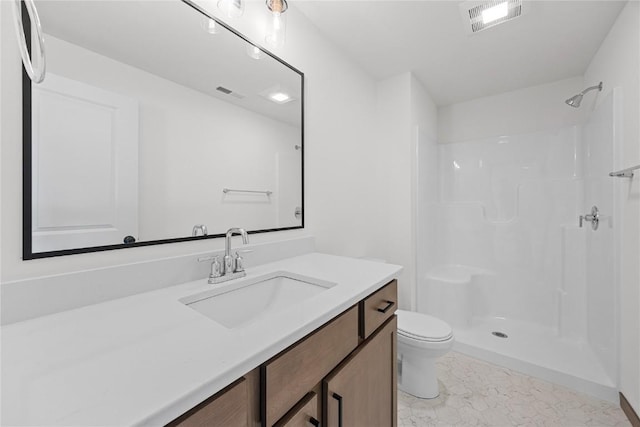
(509, 253)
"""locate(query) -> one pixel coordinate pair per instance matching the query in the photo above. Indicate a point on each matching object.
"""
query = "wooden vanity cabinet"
(361, 391)
(357, 362)
(341, 374)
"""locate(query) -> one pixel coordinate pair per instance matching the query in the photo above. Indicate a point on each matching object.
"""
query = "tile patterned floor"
(475, 393)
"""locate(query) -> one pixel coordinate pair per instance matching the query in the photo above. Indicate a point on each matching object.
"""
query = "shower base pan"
(536, 351)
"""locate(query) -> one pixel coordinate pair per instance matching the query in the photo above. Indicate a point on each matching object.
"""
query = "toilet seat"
(422, 327)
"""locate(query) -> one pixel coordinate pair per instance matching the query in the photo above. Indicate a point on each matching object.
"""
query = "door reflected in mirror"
(154, 119)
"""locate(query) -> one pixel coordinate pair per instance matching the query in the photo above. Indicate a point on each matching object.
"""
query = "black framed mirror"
(155, 124)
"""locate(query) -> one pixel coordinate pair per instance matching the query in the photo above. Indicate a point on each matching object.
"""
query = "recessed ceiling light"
(278, 94)
(496, 12)
(479, 15)
(279, 97)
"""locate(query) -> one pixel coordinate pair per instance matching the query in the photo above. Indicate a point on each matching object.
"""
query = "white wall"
(527, 110)
(394, 179)
(617, 64)
(342, 207)
(406, 136)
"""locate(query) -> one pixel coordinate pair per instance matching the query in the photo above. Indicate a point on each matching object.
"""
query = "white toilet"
(421, 340)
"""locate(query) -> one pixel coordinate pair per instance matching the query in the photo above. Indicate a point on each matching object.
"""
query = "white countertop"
(148, 358)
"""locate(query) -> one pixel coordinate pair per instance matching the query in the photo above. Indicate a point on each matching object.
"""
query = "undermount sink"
(251, 299)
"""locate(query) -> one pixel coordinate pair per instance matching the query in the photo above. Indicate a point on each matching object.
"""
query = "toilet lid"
(422, 327)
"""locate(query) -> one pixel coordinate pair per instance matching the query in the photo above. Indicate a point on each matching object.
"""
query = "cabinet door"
(361, 392)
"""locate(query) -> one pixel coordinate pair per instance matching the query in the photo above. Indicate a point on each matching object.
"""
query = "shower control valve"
(593, 218)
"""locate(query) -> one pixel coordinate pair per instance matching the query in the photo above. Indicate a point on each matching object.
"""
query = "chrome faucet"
(231, 267)
(229, 262)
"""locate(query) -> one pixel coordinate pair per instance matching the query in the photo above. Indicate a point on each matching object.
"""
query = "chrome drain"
(499, 334)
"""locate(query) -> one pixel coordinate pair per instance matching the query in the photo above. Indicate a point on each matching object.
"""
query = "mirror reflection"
(154, 123)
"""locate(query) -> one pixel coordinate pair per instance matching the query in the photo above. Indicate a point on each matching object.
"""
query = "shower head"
(575, 101)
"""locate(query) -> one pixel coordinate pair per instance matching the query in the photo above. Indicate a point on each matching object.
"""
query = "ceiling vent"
(229, 92)
(480, 15)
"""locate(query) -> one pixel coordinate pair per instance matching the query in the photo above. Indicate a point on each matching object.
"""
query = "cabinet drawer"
(227, 408)
(377, 308)
(304, 414)
(290, 375)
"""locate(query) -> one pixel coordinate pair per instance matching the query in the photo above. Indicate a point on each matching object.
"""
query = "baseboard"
(628, 411)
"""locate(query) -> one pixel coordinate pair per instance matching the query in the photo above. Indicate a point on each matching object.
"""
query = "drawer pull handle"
(339, 399)
(314, 422)
(387, 308)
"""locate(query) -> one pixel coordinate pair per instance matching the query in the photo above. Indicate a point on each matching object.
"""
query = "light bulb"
(277, 21)
(276, 34)
(210, 26)
(231, 8)
(279, 6)
(254, 52)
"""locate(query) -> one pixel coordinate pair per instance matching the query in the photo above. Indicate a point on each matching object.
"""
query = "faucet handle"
(239, 261)
(216, 266)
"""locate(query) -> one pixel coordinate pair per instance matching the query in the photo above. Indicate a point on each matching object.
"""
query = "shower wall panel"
(504, 206)
(598, 190)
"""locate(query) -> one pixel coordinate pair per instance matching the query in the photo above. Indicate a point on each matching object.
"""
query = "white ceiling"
(553, 40)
